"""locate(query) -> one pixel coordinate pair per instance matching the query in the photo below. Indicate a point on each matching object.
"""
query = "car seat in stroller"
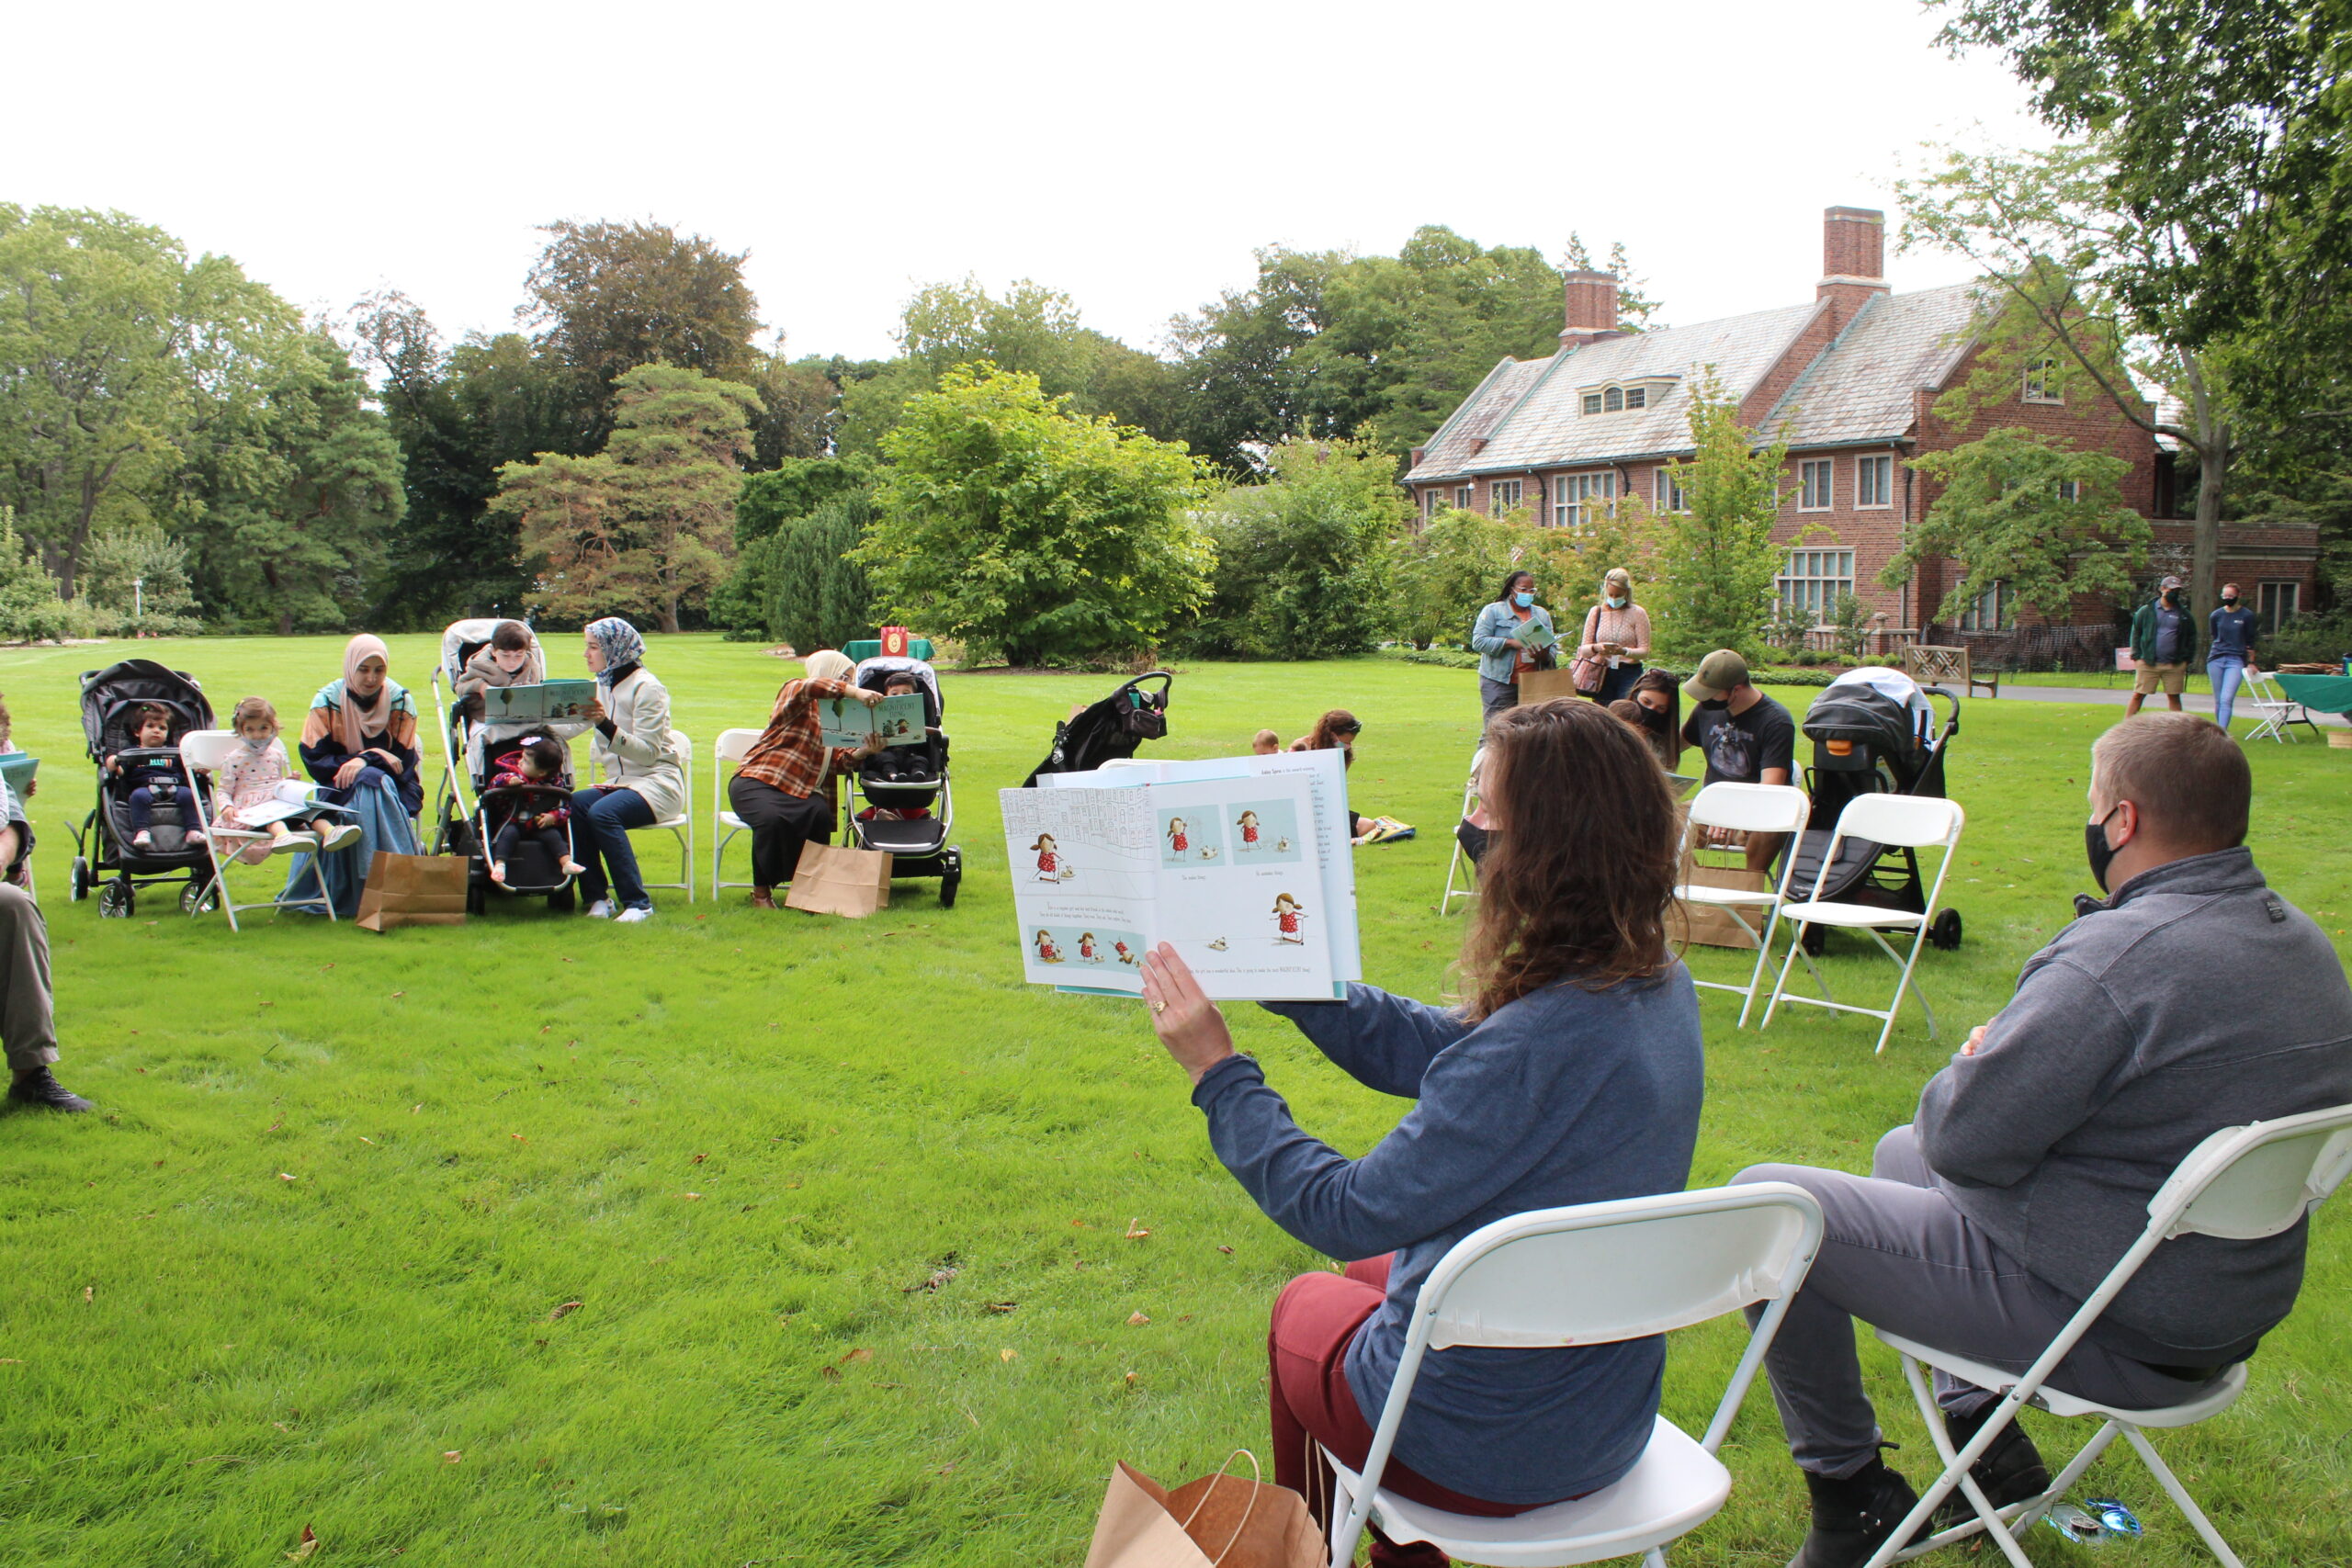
(1110, 730)
(104, 855)
(468, 810)
(900, 799)
(1873, 732)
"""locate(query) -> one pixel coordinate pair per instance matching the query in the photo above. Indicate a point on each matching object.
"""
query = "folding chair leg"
(1796, 945)
(1763, 955)
(2076, 1468)
(2163, 1472)
(1904, 981)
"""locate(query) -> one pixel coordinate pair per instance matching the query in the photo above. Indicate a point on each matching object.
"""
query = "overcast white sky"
(1132, 156)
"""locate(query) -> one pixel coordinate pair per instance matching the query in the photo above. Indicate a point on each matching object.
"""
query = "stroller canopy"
(875, 673)
(1881, 709)
(462, 640)
(1110, 730)
(109, 695)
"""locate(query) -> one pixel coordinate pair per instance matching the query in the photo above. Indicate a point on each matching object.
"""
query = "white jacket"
(638, 755)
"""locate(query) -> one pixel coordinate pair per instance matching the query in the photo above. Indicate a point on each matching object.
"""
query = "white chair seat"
(1695, 893)
(728, 820)
(675, 824)
(1850, 915)
(1676, 1486)
(2210, 1399)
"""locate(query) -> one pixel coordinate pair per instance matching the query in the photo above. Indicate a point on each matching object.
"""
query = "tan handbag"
(829, 881)
(1218, 1521)
(412, 890)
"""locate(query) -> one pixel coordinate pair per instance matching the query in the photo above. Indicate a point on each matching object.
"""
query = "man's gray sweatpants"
(27, 1028)
(1895, 1254)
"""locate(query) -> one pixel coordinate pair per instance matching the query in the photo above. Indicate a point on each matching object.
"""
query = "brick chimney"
(1592, 307)
(1853, 248)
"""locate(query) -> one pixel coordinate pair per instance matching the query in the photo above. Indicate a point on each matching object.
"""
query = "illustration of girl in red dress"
(1086, 953)
(1287, 915)
(1050, 863)
(1176, 840)
(1124, 955)
(1248, 826)
(1046, 951)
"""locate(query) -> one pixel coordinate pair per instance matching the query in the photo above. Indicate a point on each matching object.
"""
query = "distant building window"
(2042, 384)
(1811, 580)
(2070, 490)
(1432, 502)
(1579, 499)
(1463, 495)
(1638, 397)
(1990, 610)
(1874, 482)
(1592, 402)
(1816, 486)
(2278, 602)
(1612, 400)
(1502, 495)
(1672, 496)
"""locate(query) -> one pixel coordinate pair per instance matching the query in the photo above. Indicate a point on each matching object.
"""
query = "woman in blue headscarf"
(644, 782)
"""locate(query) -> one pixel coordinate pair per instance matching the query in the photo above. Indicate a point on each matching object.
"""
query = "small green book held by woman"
(1535, 634)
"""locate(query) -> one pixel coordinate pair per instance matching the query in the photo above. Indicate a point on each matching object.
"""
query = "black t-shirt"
(1739, 747)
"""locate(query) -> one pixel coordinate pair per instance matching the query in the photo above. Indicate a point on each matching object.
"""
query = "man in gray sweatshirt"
(2193, 998)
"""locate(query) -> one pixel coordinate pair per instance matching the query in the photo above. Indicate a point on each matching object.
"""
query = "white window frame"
(1573, 495)
(1464, 496)
(1502, 495)
(2276, 601)
(1636, 398)
(2070, 490)
(2041, 383)
(1821, 472)
(1811, 580)
(1670, 496)
(1874, 475)
(1432, 502)
(1999, 601)
(1592, 402)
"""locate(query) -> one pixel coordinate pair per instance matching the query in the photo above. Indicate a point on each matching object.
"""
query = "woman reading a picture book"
(1570, 1073)
(779, 789)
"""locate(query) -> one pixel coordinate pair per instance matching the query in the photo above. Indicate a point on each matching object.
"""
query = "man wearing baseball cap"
(1746, 737)
(2163, 641)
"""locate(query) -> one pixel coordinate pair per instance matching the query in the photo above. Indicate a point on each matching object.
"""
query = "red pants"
(1307, 1344)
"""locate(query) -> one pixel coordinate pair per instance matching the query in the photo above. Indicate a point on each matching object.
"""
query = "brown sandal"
(762, 899)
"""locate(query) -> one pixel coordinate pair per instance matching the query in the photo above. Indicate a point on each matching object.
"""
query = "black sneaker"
(39, 1086)
(1853, 1517)
(2009, 1472)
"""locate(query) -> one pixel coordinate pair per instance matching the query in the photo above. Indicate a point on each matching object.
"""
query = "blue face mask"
(1616, 601)
(1523, 601)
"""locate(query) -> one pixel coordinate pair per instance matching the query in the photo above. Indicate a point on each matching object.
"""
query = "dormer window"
(1621, 399)
(1592, 402)
(1612, 400)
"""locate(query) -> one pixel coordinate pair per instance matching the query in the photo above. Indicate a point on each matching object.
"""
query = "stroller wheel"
(199, 896)
(947, 886)
(477, 897)
(77, 883)
(1944, 930)
(1816, 940)
(116, 901)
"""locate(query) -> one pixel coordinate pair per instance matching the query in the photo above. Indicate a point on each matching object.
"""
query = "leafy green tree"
(1013, 524)
(2045, 519)
(1717, 560)
(645, 526)
(1302, 566)
(135, 578)
(799, 406)
(1443, 573)
(30, 608)
(114, 346)
(805, 583)
(796, 487)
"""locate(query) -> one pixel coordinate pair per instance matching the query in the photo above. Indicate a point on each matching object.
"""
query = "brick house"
(1850, 379)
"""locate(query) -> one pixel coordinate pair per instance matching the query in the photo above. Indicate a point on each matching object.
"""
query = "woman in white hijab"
(783, 790)
(643, 778)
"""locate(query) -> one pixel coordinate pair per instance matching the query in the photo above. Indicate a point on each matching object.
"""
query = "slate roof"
(1860, 388)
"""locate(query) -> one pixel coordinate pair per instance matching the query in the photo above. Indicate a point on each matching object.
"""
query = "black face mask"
(2172, 596)
(2096, 847)
(1718, 703)
(1651, 718)
(2231, 600)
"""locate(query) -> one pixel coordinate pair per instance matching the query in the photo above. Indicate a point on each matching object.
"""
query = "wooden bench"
(1932, 665)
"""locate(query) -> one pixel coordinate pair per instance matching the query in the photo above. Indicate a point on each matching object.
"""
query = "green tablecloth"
(2321, 693)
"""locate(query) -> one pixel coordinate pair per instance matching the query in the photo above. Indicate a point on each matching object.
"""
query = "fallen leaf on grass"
(697, 1159)
(1137, 1320)
(11, 1361)
(267, 1004)
(567, 960)
(414, 1108)
(399, 993)
(1003, 1306)
(695, 1196)
(1135, 1232)
(861, 1354)
(287, 1176)
(1007, 1354)
(1226, 1250)
(366, 1139)
(283, 1425)
(518, 1137)
(938, 1277)
(1131, 1380)
(309, 1542)
(89, 1292)
(273, 1126)
(830, 1374)
(564, 1310)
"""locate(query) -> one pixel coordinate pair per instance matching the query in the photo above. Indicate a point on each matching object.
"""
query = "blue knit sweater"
(1566, 1096)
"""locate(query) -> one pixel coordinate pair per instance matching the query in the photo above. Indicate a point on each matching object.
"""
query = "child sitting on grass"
(159, 777)
(538, 762)
(1337, 731)
(249, 781)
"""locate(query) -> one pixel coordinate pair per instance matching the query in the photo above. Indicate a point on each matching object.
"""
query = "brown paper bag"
(412, 890)
(830, 881)
(1542, 686)
(1711, 925)
(1218, 1521)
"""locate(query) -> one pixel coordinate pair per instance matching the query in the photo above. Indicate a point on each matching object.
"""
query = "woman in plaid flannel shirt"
(779, 790)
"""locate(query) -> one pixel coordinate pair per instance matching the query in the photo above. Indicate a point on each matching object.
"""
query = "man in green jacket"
(2163, 641)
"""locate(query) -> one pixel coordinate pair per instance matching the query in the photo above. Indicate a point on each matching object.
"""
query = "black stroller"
(471, 750)
(1873, 732)
(104, 856)
(1111, 730)
(899, 800)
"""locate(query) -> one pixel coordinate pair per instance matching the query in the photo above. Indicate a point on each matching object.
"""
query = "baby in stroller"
(511, 658)
(535, 770)
(150, 763)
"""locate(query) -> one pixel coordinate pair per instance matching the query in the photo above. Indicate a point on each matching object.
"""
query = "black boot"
(2009, 1472)
(39, 1086)
(1852, 1518)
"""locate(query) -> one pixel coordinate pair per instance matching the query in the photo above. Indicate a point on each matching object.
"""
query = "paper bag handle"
(1256, 1474)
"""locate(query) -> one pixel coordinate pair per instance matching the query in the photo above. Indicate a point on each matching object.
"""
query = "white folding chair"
(732, 747)
(2243, 1183)
(1894, 822)
(204, 751)
(2274, 707)
(1469, 888)
(1594, 1274)
(1747, 808)
(681, 826)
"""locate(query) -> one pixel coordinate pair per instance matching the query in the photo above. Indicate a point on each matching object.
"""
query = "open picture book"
(289, 799)
(550, 700)
(894, 721)
(17, 770)
(1535, 634)
(1241, 863)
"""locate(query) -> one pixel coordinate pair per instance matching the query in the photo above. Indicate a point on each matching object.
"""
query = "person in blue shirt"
(1495, 636)
(2230, 631)
(1570, 1073)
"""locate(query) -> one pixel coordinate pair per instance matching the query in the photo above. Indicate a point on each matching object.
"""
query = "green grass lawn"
(854, 1220)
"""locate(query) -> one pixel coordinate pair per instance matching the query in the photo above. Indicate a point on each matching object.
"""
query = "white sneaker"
(602, 909)
(631, 917)
(343, 834)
